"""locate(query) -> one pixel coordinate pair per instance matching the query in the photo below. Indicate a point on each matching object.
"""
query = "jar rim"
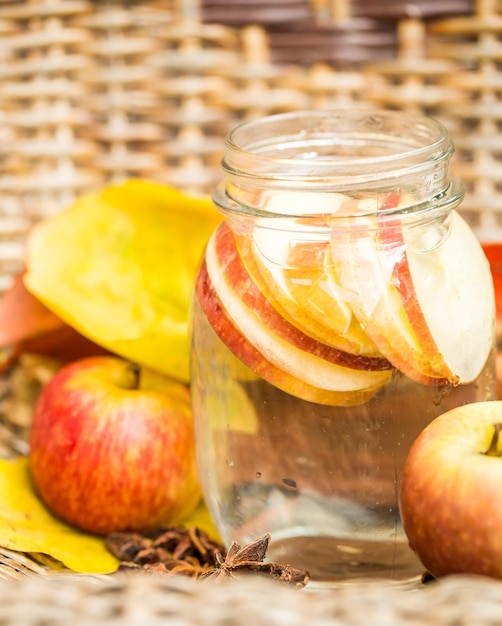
(333, 146)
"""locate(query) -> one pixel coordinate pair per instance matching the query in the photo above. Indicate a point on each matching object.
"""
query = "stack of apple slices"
(279, 351)
(328, 314)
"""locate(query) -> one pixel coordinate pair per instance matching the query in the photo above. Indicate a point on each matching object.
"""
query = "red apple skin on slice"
(445, 287)
(252, 358)
(229, 270)
(377, 304)
(374, 262)
(393, 241)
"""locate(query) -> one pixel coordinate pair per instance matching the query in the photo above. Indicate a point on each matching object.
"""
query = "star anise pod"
(250, 558)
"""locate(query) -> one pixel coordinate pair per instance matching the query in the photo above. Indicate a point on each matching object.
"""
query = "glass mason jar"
(342, 304)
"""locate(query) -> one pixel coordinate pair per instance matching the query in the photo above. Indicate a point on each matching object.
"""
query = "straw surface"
(182, 602)
(94, 92)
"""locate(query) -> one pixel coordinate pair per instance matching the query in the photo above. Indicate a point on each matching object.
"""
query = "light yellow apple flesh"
(451, 492)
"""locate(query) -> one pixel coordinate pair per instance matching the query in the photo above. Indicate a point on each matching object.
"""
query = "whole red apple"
(112, 447)
(451, 492)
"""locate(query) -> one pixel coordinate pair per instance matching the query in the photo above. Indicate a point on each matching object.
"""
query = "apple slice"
(454, 289)
(278, 294)
(254, 359)
(226, 266)
(376, 303)
(290, 270)
(423, 294)
(278, 341)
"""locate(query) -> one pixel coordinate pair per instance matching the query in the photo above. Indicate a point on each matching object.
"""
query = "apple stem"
(135, 370)
(493, 448)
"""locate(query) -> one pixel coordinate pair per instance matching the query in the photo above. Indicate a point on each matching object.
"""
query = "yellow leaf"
(119, 265)
(201, 518)
(27, 526)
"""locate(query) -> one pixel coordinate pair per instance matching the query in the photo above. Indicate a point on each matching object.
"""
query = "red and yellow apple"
(450, 492)
(112, 447)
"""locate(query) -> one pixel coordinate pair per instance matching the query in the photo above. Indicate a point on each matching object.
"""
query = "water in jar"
(329, 327)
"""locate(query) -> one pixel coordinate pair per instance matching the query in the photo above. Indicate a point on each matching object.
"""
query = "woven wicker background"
(92, 92)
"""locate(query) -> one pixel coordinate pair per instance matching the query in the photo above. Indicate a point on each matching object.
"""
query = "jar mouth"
(340, 148)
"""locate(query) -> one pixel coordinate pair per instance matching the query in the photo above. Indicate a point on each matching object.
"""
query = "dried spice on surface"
(191, 552)
(188, 551)
(250, 558)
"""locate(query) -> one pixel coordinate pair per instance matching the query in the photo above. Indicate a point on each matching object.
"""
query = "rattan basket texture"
(94, 92)
(178, 601)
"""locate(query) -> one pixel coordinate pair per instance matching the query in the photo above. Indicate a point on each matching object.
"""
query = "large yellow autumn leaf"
(118, 266)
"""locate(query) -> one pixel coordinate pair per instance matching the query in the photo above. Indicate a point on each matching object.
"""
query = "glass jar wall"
(342, 304)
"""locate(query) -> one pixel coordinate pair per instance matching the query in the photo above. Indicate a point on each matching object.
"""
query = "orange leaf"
(27, 325)
(22, 316)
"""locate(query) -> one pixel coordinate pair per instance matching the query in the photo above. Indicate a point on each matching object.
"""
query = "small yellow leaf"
(201, 518)
(27, 526)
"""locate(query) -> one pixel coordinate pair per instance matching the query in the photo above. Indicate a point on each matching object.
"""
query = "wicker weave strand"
(96, 92)
(182, 602)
